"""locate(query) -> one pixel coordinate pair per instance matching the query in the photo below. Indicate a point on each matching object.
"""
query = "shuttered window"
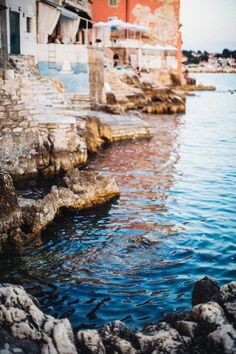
(28, 24)
(113, 2)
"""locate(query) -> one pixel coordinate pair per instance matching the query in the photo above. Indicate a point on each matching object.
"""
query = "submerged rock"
(206, 329)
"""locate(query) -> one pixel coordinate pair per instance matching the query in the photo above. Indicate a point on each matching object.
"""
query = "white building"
(21, 27)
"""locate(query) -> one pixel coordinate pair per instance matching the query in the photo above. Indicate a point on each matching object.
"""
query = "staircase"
(118, 87)
(42, 96)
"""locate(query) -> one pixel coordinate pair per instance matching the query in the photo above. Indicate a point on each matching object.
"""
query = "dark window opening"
(28, 24)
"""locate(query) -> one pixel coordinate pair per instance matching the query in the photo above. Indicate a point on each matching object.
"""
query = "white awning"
(67, 13)
(64, 12)
(119, 24)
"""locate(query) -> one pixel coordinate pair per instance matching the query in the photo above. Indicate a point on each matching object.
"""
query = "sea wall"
(208, 328)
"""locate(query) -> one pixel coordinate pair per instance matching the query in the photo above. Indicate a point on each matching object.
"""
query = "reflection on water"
(137, 257)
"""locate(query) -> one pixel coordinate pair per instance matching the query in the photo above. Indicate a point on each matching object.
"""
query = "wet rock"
(22, 220)
(197, 88)
(83, 190)
(22, 320)
(206, 329)
(206, 290)
(117, 337)
(10, 214)
(146, 240)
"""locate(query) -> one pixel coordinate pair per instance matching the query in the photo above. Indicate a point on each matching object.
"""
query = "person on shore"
(137, 71)
(58, 39)
(189, 80)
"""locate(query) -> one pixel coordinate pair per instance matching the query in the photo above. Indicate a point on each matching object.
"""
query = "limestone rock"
(10, 213)
(186, 328)
(22, 220)
(222, 340)
(90, 341)
(228, 291)
(204, 330)
(96, 133)
(22, 320)
(209, 314)
(83, 190)
(162, 342)
(230, 310)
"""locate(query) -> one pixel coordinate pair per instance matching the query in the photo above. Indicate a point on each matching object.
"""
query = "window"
(28, 24)
(113, 2)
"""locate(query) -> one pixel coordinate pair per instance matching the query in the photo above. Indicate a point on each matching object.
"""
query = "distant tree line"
(196, 57)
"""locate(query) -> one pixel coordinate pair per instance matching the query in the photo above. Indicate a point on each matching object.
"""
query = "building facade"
(160, 17)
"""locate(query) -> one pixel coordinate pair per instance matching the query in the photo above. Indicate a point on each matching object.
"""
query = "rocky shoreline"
(22, 219)
(208, 328)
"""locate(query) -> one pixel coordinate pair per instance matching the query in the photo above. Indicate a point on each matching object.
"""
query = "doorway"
(15, 32)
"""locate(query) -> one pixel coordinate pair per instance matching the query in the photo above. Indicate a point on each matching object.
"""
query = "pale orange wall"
(102, 11)
(161, 16)
(143, 12)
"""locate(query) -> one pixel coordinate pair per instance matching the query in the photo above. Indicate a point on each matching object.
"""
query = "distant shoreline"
(203, 71)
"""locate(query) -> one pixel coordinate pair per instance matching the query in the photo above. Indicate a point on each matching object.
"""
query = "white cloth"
(69, 29)
(47, 20)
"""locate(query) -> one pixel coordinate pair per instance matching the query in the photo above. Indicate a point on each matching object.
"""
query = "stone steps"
(42, 98)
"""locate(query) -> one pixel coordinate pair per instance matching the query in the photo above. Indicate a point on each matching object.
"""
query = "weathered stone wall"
(18, 136)
(29, 147)
(96, 75)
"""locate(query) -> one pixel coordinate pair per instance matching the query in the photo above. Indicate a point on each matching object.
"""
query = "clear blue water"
(178, 189)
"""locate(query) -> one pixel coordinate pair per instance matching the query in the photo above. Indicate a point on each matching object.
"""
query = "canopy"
(119, 24)
(159, 47)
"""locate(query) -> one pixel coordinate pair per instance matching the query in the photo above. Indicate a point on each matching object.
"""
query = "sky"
(208, 24)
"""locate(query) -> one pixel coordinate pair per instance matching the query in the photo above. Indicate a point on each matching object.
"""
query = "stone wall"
(18, 136)
(29, 147)
(96, 75)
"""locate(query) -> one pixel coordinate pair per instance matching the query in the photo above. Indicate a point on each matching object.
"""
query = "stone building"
(161, 18)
